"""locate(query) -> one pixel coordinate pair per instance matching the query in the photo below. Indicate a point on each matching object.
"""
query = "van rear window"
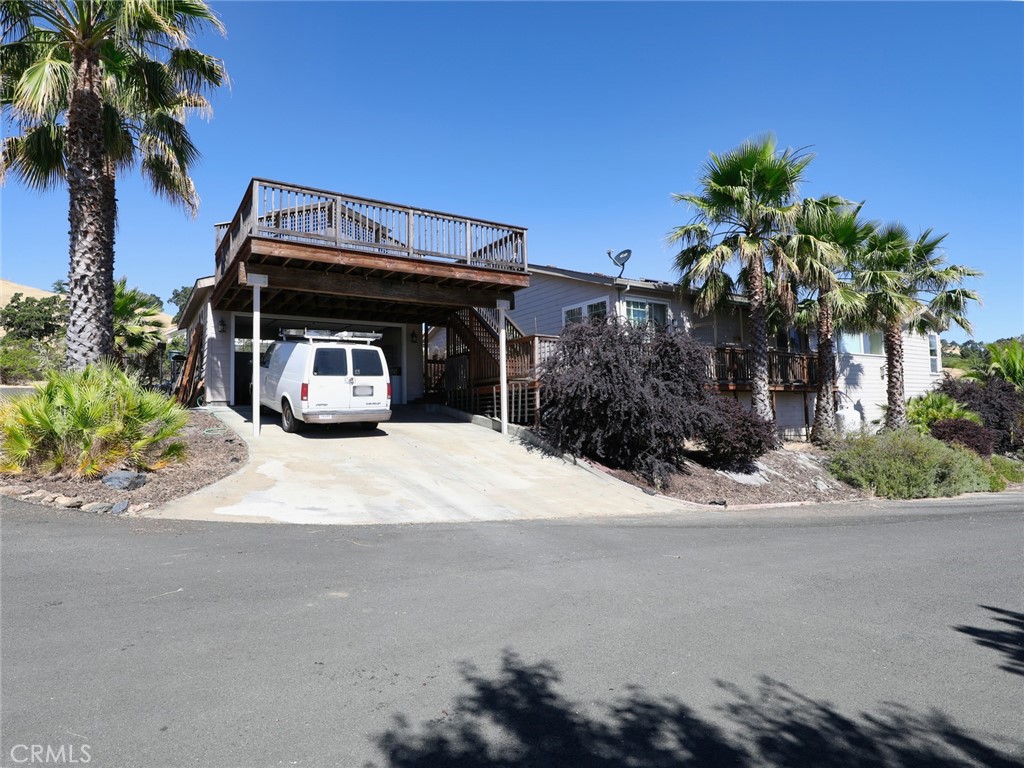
(366, 362)
(330, 362)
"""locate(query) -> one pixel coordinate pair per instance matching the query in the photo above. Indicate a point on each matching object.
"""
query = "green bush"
(87, 422)
(931, 407)
(908, 465)
(19, 361)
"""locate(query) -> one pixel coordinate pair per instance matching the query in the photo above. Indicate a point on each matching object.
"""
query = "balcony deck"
(329, 253)
(787, 371)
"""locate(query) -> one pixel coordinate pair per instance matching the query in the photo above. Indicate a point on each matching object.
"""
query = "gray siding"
(539, 307)
(863, 383)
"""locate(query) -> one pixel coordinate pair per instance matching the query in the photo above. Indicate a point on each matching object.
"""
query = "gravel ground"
(793, 474)
(214, 451)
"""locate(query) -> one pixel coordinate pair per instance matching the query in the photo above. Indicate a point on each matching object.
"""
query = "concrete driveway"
(419, 467)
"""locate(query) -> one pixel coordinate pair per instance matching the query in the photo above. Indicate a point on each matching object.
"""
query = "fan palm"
(908, 283)
(1005, 361)
(94, 85)
(745, 208)
(829, 233)
(137, 324)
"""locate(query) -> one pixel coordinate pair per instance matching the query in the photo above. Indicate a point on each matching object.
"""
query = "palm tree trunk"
(824, 430)
(109, 188)
(759, 395)
(896, 412)
(90, 333)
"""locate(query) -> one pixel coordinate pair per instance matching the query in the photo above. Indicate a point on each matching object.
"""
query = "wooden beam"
(285, 278)
(227, 281)
(325, 255)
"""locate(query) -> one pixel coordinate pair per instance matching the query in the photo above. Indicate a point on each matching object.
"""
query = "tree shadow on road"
(1007, 639)
(518, 719)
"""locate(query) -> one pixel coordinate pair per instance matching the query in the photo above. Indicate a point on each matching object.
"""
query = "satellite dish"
(620, 259)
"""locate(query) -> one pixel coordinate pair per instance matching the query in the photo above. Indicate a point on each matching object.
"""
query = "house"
(295, 256)
(557, 297)
(427, 281)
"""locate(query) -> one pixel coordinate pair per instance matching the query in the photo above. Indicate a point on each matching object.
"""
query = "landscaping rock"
(68, 502)
(134, 509)
(120, 507)
(744, 478)
(99, 507)
(35, 496)
(14, 490)
(123, 480)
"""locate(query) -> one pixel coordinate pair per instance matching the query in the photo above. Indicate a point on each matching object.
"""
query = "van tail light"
(389, 390)
(304, 394)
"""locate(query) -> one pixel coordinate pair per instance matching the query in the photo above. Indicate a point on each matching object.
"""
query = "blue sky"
(578, 120)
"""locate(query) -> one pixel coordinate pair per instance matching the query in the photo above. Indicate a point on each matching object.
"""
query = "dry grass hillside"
(8, 289)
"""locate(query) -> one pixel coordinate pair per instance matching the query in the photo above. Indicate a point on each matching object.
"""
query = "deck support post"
(257, 282)
(503, 365)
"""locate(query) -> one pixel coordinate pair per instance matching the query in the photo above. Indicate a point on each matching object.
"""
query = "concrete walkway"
(419, 467)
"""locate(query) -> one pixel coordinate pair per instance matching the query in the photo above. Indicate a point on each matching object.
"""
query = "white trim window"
(588, 310)
(934, 358)
(861, 343)
(643, 311)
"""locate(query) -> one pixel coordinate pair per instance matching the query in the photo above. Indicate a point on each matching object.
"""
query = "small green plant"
(1002, 470)
(1011, 470)
(87, 422)
(929, 408)
(905, 464)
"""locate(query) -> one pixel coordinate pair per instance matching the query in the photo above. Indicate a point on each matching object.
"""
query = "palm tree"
(745, 208)
(829, 234)
(70, 65)
(1005, 361)
(908, 283)
(137, 324)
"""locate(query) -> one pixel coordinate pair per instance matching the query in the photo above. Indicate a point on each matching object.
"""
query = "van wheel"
(369, 426)
(288, 420)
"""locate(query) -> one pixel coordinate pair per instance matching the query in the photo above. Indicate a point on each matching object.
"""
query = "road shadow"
(518, 719)
(1008, 638)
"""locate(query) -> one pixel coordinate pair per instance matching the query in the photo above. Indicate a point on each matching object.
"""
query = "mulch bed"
(214, 451)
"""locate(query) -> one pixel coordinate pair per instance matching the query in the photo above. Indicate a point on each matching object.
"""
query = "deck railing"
(733, 365)
(305, 215)
(526, 354)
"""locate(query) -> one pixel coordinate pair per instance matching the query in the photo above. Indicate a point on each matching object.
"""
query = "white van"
(320, 377)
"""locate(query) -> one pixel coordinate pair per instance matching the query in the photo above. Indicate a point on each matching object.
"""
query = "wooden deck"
(325, 253)
(787, 371)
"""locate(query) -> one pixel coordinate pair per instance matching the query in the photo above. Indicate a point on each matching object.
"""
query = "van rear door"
(369, 379)
(330, 387)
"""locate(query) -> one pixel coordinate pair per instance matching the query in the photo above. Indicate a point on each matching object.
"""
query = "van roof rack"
(312, 334)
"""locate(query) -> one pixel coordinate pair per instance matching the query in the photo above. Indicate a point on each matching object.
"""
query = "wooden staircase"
(472, 369)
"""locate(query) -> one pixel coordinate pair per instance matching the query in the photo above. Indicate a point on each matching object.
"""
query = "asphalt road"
(877, 635)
